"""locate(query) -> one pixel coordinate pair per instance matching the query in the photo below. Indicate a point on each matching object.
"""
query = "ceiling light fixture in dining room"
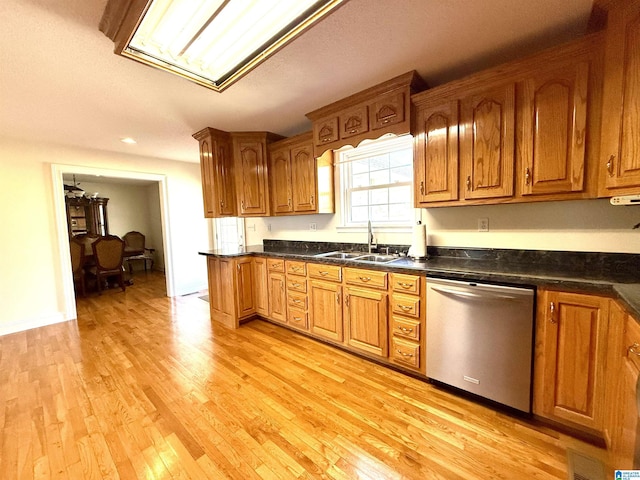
(212, 42)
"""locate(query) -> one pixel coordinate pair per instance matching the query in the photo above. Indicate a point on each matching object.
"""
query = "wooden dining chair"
(135, 249)
(77, 263)
(108, 254)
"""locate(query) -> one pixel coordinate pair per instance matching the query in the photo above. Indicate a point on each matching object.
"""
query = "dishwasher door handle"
(483, 296)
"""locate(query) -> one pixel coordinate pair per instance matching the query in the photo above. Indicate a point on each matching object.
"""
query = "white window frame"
(366, 149)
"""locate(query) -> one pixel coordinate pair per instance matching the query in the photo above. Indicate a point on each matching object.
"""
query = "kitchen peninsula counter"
(612, 274)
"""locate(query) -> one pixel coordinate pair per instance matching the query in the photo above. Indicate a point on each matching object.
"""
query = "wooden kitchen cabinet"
(222, 291)
(366, 318)
(216, 164)
(245, 299)
(487, 138)
(407, 322)
(623, 404)
(570, 353)
(325, 310)
(293, 173)
(276, 283)
(436, 152)
(250, 172)
(619, 166)
(260, 285)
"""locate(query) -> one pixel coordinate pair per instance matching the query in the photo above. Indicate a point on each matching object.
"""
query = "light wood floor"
(143, 386)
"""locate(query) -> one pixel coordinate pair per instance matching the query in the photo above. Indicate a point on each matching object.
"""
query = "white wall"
(30, 267)
(585, 225)
(154, 234)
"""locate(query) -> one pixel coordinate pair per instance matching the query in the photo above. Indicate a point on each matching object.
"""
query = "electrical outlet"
(313, 227)
(483, 224)
(269, 226)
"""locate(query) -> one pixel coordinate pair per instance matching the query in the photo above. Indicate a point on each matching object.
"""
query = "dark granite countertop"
(616, 275)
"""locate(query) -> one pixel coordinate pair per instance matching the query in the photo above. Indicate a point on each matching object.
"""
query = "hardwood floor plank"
(144, 386)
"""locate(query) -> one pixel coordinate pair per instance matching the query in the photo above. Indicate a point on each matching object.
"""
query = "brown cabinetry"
(216, 165)
(276, 283)
(366, 320)
(487, 140)
(293, 173)
(250, 164)
(297, 305)
(325, 301)
(261, 294)
(231, 283)
(244, 287)
(619, 165)
(87, 215)
(570, 359)
(407, 318)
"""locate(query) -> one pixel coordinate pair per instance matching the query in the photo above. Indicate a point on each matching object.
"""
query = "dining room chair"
(135, 249)
(108, 255)
(77, 263)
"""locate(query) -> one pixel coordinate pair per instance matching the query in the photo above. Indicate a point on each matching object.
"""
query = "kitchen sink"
(340, 255)
(374, 258)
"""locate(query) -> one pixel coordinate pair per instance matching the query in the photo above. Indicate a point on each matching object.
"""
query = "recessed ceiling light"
(128, 140)
(212, 42)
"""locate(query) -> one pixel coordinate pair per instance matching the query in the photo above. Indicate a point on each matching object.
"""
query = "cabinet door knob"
(338, 298)
(242, 204)
(469, 183)
(312, 199)
(552, 310)
(346, 300)
(610, 165)
(527, 176)
(422, 188)
(634, 349)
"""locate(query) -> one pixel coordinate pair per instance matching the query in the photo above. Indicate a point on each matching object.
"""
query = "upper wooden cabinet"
(216, 163)
(527, 131)
(553, 113)
(487, 120)
(436, 152)
(619, 165)
(300, 183)
(368, 114)
(250, 169)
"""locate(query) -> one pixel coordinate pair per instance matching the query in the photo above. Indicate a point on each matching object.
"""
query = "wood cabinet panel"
(280, 175)
(620, 149)
(366, 318)
(487, 142)
(325, 310)
(277, 297)
(245, 287)
(304, 179)
(325, 272)
(554, 126)
(405, 305)
(296, 268)
(297, 300)
(354, 121)
(325, 131)
(405, 353)
(297, 284)
(405, 283)
(387, 110)
(260, 286)
(365, 278)
(207, 173)
(436, 153)
(298, 318)
(251, 173)
(275, 265)
(406, 327)
(572, 356)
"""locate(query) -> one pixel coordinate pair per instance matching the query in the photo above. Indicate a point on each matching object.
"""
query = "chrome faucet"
(370, 238)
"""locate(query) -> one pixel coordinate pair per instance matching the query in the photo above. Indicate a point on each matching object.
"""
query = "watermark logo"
(627, 474)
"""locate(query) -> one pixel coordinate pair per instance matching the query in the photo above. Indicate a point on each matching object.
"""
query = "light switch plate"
(483, 224)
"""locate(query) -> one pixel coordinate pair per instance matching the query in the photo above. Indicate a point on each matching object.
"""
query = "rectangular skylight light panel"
(216, 41)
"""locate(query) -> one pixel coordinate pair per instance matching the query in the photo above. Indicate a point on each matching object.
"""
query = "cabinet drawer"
(296, 268)
(405, 305)
(297, 284)
(387, 110)
(275, 265)
(406, 353)
(632, 341)
(405, 327)
(325, 131)
(325, 272)
(298, 318)
(297, 300)
(366, 278)
(405, 283)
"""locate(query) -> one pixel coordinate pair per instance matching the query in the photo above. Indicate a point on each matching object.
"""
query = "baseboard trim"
(21, 326)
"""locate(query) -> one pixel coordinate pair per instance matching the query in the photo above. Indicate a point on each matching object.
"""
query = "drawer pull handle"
(405, 284)
(405, 329)
(365, 279)
(296, 285)
(404, 354)
(324, 274)
(405, 308)
(296, 300)
(633, 349)
(353, 130)
(276, 265)
(297, 319)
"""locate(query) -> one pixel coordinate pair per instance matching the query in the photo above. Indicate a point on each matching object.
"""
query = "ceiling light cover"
(215, 42)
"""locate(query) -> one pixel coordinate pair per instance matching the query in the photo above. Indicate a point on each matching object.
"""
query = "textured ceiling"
(61, 83)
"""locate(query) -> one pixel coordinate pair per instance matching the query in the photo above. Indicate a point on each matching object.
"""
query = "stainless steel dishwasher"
(480, 339)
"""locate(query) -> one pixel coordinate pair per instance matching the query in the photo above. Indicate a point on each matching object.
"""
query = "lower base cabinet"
(277, 297)
(230, 289)
(366, 320)
(325, 309)
(571, 348)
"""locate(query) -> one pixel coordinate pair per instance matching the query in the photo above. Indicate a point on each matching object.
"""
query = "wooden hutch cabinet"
(87, 215)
